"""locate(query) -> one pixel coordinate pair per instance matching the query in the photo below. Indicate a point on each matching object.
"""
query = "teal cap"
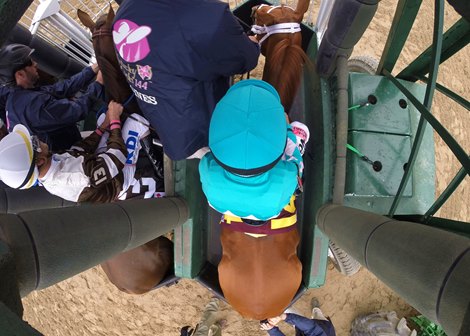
(248, 129)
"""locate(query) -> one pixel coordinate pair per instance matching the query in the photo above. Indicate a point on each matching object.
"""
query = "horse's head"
(100, 29)
(266, 15)
(259, 276)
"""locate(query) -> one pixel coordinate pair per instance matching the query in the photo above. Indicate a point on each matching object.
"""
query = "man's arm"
(221, 41)
(67, 88)
(275, 331)
(307, 326)
(106, 166)
(49, 113)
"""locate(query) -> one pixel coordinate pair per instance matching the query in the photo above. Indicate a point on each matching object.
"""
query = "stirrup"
(153, 156)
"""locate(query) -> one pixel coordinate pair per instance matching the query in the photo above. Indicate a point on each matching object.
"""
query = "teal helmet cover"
(248, 129)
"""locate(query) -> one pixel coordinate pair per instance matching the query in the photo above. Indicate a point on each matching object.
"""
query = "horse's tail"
(284, 69)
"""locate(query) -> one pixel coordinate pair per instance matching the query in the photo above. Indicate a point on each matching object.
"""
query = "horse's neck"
(116, 86)
(283, 65)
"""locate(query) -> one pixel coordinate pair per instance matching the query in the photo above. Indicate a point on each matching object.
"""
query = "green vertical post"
(403, 20)
(418, 137)
(454, 39)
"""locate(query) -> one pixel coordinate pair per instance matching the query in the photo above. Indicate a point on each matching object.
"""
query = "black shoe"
(154, 154)
(314, 303)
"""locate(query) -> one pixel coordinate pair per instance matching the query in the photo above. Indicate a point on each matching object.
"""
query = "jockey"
(255, 163)
(83, 173)
(177, 57)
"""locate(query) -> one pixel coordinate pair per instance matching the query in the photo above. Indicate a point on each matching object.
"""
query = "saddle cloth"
(284, 222)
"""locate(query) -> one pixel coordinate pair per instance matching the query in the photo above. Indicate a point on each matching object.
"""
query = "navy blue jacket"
(177, 56)
(306, 327)
(48, 112)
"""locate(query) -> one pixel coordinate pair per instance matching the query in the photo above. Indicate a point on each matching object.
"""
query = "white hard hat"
(18, 159)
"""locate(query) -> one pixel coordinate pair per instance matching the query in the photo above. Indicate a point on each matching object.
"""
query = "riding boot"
(154, 154)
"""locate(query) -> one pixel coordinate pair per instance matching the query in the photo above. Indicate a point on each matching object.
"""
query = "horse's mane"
(284, 69)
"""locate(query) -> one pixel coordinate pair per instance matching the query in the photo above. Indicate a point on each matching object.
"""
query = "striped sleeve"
(106, 166)
(87, 145)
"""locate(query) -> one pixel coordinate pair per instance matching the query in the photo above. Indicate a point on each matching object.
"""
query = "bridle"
(101, 32)
(280, 28)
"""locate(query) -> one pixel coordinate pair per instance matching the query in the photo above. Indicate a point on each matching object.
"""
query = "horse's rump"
(259, 276)
(139, 270)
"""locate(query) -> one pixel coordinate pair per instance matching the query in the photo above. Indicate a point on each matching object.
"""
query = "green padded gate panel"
(384, 131)
(389, 149)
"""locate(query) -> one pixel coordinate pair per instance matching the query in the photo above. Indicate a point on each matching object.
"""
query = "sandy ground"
(88, 304)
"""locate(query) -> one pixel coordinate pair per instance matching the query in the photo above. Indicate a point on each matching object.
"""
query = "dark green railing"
(443, 47)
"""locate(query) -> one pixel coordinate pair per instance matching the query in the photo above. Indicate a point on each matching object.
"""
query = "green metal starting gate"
(369, 176)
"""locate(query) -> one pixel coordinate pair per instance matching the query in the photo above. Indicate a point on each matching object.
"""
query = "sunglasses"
(36, 144)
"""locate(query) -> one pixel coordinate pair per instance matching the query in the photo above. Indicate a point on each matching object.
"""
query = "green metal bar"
(453, 185)
(436, 53)
(403, 20)
(445, 135)
(461, 228)
(11, 12)
(456, 38)
(452, 95)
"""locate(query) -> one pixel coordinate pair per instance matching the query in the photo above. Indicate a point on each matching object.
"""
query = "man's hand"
(253, 38)
(99, 78)
(275, 320)
(266, 326)
(95, 67)
(114, 111)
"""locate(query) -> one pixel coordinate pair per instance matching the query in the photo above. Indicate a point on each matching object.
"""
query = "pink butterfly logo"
(131, 40)
(145, 71)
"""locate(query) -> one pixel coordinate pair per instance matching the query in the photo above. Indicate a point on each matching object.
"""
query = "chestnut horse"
(260, 273)
(115, 82)
(139, 270)
(278, 32)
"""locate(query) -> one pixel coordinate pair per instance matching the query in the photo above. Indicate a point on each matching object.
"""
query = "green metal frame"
(384, 132)
(453, 40)
(405, 15)
(444, 46)
(436, 53)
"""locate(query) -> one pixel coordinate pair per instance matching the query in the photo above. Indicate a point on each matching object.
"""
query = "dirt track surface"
(88, 304)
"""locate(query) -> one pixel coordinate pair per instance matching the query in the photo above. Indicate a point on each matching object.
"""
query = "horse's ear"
(301, 9)
(85, 19)
(111, 15)
(253, 12)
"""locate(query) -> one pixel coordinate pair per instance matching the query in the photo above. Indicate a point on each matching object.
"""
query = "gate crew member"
(46, 111)
(177, 57)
